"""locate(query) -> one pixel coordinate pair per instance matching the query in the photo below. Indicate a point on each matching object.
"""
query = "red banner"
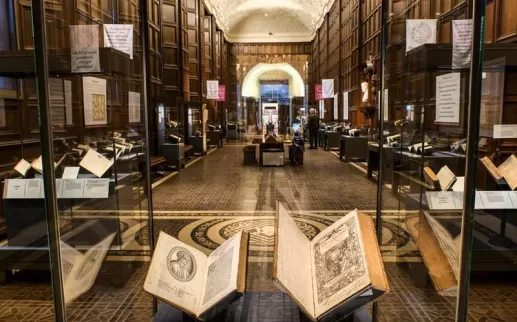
(318, 92)
(222, 94)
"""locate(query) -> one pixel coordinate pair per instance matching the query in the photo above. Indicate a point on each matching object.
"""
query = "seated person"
(296, 149)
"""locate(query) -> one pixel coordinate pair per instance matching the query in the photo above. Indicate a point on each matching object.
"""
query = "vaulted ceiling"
(269, 20)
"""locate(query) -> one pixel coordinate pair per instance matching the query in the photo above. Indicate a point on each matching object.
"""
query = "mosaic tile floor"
(217, 196)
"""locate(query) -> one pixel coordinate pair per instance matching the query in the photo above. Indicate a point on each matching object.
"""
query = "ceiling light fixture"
(265, 15)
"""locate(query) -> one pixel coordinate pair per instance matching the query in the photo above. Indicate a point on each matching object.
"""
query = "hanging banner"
(221, 94)
(119, 37)
(84, 46)
(461, 42)
(212, 90)
(336, 112)
(327, 88)
(322, 109)
(345, 106)
(419, 32)
(318, 92)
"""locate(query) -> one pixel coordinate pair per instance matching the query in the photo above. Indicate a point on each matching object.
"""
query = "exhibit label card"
(345, 106)
(134, 107)
(448, 98)
(444, 200)
(96, 188)
(493, 200)
(119, 37)
(34, 188)
(84, 45)
(505, 131)
(327, 88)
(461, 42)
(212, 89)
(15, 189)
(73, 188)
(94, 96)
(71, 172)
(419, 32)
(59, 188)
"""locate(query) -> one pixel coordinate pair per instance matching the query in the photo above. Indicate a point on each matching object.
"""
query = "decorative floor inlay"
(206, 231)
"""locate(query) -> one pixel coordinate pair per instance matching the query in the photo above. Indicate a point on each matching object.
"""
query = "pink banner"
(318, 92)
(222, 94)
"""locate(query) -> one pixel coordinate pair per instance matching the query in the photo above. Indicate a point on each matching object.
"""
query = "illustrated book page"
(338, 261)
(222, 272)
(291, 264)
(85, 269)
(176, 273)
(490, 166)
(96, 163)
(446, 178)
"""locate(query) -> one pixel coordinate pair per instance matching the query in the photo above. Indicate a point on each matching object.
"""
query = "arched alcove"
(251, 84)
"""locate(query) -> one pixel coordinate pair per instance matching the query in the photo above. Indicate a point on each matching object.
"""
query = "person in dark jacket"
(313, 125)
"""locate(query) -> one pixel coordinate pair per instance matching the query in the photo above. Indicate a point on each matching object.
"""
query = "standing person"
(313, 125)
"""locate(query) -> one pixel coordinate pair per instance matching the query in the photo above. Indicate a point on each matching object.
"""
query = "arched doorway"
(266, 83)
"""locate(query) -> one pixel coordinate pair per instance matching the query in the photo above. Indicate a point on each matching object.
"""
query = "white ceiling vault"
(269, 20)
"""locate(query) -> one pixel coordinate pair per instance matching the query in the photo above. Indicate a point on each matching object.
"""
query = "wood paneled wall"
(352, 30)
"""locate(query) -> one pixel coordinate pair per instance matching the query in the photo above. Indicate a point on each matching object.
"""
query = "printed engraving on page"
(181, 264)
(99, 107)
(338, 260)
(219, 274)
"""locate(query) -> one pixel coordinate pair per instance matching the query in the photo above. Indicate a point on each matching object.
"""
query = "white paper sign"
(212, 89)
(386, 106)
(345, 106)
(505, 131)
(461, 42)
(71, 172)
(134, 107)
(96, 188)
(336, 112)
(33, 188)
(328, 88)
(68, 102)
(419, 32)
(448, 98)
(119, 37)
(73, 188)
(84, 46)
(94, 96)
(15, 188)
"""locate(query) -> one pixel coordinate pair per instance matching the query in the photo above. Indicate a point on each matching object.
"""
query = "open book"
(37, 164)
(507, 170)
(444, 180)
(96, 163)
(80, 270)
(337, 272)
(192, 281)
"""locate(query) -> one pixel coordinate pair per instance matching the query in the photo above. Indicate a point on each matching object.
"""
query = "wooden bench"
(156, 161)
(188, 151)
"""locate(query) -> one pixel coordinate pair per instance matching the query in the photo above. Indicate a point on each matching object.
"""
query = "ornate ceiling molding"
(230, 13)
